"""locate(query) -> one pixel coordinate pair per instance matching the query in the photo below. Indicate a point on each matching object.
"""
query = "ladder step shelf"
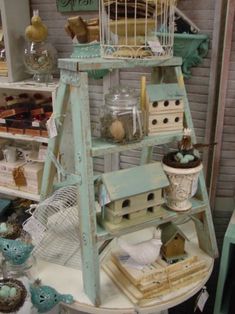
(101, 147)
(198, 206)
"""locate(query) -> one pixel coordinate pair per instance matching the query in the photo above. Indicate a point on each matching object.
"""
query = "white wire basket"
(57, 217)
(137, 28)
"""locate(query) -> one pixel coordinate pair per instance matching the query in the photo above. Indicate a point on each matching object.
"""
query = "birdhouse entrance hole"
(177, 102)
(165, 120)
(127, 216)
(155, 104)
(150, 197)
(177, 119)
(166, 103)
(126, 203)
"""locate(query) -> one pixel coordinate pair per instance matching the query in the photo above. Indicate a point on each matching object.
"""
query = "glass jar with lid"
(121, 121)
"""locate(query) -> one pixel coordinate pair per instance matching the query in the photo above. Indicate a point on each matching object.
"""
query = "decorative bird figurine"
(186, 145)
(44, 298)
(15, 251)
(37, 32)
(144, 253)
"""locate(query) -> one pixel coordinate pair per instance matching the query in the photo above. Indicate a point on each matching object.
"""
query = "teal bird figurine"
(44, 298)
(15, 252)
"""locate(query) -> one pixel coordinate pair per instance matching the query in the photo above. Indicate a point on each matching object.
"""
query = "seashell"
(117, 130)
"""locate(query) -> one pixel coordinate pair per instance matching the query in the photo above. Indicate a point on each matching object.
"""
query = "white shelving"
(18, 193)
(24, 137)
(29, 87)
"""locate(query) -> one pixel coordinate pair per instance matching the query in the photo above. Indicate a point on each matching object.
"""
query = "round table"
(69, 280)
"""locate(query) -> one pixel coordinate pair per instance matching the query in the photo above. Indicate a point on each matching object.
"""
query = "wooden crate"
(141, 285)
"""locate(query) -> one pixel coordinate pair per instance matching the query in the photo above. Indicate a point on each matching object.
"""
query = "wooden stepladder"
(73, 89)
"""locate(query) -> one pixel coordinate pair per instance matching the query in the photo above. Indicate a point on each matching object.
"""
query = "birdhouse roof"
(158, 92)
(169, 231)
(129, 182)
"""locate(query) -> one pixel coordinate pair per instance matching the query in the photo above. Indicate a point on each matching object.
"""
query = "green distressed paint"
(158, 92)
(77, 5)
(133, 181)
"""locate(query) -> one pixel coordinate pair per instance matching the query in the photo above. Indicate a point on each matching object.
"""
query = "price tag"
(36, 124)
(201, 299)
(155, 46)
(35, 229)
(51, 127)
(103, 196)
(2, 120)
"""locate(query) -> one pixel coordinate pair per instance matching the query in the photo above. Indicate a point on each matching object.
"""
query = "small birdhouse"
(165, 108)
(135, 195)
(173, 239)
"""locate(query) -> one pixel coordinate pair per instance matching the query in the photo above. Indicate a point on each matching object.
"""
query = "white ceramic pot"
(183, 186)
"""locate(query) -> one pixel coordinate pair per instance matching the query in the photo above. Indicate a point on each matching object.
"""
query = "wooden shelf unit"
(29, 87)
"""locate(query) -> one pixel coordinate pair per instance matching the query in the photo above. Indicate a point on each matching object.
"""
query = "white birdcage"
(57, 217)
(137, 28)
(55, 229)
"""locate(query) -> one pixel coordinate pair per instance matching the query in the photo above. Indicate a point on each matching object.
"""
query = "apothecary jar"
(40, 59)
(121, 120)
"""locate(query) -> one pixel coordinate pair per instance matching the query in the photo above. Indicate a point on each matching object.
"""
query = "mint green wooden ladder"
(73, 89)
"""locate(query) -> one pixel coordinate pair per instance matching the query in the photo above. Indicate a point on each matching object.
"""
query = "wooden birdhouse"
(165, 108)
(173, 239)
(135, 195)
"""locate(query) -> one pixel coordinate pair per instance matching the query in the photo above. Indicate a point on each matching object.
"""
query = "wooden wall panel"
(224, 170)
(226, 178)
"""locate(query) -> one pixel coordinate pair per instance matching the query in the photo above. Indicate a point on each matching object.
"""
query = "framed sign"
(77, 5)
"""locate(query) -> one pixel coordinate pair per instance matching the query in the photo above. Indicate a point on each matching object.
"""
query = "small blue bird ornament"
(15, 252)
(44, 298)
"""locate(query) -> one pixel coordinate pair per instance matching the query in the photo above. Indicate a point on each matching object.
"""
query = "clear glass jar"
(40, 59)
(121, 121)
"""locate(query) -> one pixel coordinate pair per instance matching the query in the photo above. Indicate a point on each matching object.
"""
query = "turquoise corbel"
(192, 48)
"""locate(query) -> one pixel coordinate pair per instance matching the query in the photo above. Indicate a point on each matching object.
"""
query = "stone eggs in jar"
(121, 121)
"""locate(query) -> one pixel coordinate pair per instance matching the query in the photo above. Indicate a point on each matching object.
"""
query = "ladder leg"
(203, 223)
(84, 168)
(54, 143)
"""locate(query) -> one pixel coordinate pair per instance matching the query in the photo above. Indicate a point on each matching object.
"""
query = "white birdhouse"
(133, 200)
(165, 108)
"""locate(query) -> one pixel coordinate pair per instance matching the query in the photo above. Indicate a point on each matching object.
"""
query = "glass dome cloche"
(40, 57)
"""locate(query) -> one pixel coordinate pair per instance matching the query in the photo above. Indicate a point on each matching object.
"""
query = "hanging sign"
(77, 5)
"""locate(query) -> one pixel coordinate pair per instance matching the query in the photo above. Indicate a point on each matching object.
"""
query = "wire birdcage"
(60, 240)
(137, 28)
